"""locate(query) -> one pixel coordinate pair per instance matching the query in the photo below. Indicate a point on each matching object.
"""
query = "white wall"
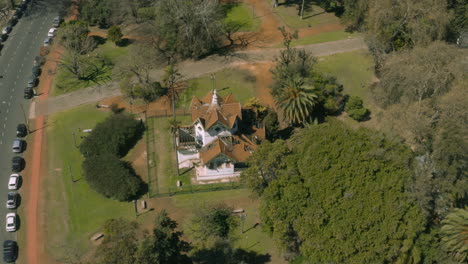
(186, 157)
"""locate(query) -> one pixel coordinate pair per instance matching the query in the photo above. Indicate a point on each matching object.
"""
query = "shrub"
(116, 135)
(114, 34)
(355, 109)
(111, 177)
(359, 114)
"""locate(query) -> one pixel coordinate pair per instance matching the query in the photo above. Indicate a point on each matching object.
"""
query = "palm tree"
(297, 100)
(455, 234)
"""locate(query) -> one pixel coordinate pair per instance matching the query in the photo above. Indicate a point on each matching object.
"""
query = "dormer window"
(199, 128)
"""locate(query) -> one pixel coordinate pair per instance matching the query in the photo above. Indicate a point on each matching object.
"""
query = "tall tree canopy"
(455, 234)
(424, 72)
(341, 198)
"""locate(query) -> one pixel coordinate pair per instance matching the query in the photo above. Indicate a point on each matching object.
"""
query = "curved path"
(189, 70)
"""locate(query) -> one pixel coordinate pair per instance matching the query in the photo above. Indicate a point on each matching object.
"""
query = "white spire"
(214, 100)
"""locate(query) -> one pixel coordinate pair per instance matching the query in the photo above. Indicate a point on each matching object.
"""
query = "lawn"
(239, 82)
(74, 212)
(162, 148)
(242, 13)
(323, 37)
(103, 59)
(352, 69)
(313, 15)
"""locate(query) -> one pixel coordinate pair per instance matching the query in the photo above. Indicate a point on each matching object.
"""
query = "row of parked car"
(10, 247)
(13, 198)
(36, 70)
(12, 22)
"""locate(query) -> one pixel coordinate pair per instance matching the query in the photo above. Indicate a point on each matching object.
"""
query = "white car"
(47, 41)
(52, 32)
(11, 222)
(13, 182)
(6, 30)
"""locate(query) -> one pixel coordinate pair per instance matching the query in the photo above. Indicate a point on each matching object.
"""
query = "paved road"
(189, 70)
(16, 61)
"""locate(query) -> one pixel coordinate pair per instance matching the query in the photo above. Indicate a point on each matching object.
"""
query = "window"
(228, 164)
(199, 128)
(211, 165)
(217, 129)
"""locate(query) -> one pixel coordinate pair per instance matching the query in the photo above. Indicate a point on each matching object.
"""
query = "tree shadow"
(223, 253)
(124, 42)
(99, 40)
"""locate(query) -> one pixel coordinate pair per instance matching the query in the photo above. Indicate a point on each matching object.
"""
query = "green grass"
(242, 14)
(105, 56)
(112, 51)
(254, 239)
(323, 37)
(74, 211)
(239, 82)
(166, 170)
(313, 16)
(352, 69)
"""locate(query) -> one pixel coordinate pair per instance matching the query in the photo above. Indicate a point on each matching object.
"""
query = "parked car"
(6, 30)
(36, 71)
(3, 37)
(57, 21)
(21, 130)
(18, 145)
(11, 222)
(12, 22)
(52, 32)
(18, 14)
(10, 251)
(47, 41)
(12, 200)
(13, 183)
(32, 81)
(17, 164)
(28, 93)
(37, 61)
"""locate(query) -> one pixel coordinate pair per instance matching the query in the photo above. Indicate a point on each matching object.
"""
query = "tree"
(119, 243)
(404, 77)
(111, 177)
(73, 35)
(341, 198)
(297, 100)
(114, 34)
(116, 135)
(186, 29)
(455, 234)
(223, 252)
(265, 165)
(165, 245)
(211, 223)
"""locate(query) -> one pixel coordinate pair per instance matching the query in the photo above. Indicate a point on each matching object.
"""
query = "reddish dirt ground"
(263, 76)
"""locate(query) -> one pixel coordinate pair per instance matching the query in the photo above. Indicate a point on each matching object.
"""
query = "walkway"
(189, 70)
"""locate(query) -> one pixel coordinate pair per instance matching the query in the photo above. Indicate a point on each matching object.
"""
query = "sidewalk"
(189, 70)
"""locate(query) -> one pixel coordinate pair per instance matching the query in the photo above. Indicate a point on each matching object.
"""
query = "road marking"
(8, 110)
(6, 118)
(9, 103)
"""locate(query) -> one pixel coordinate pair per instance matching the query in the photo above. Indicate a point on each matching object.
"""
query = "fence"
(167, 113)
(188, 189)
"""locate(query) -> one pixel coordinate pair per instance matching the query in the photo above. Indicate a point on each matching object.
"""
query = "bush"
(111, 177)
(359, 114)
(355, 109)
(103, 171)
(116, 135)
(114, 34)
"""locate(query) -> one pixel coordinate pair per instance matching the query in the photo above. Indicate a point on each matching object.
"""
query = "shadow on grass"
(223, 253)
(125, 42)
(99, 40)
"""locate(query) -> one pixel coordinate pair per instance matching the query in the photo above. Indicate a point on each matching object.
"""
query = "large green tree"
(297, 101)
(455, 234)
(119, 243)
(341, 198)
(164, 245)
(265, 165)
